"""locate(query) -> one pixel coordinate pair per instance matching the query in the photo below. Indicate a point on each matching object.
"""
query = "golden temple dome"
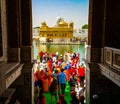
(62, 23)
(43, 23)
(71, 24)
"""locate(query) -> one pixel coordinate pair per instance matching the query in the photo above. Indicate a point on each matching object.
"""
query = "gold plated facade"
(61, 30)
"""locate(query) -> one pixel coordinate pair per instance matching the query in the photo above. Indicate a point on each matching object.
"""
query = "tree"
(85, 26)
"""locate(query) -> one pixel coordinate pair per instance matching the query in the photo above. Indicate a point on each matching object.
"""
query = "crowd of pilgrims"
(53, 71)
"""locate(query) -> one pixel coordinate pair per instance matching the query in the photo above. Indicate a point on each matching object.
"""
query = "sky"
(70, 10)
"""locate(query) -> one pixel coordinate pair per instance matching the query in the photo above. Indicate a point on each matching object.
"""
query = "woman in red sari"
(81, 74)
(49, 65)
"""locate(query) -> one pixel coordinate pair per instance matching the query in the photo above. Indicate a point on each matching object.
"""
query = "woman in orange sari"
(45, 83)
(49, 65)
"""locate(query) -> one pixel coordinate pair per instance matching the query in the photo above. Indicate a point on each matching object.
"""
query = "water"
(59, 48)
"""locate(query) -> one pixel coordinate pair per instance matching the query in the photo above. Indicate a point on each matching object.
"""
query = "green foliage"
(85, 26)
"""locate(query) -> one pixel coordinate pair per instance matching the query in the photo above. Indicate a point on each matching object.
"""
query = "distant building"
(61, 32)
(81, 34)
(36, 32)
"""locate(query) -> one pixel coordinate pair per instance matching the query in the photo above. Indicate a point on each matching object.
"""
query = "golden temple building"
(61, 32)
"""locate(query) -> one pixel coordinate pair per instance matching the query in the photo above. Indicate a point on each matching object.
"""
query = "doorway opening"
(59, 28)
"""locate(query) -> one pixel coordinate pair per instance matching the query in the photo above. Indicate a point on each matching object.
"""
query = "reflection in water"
(59, 48)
